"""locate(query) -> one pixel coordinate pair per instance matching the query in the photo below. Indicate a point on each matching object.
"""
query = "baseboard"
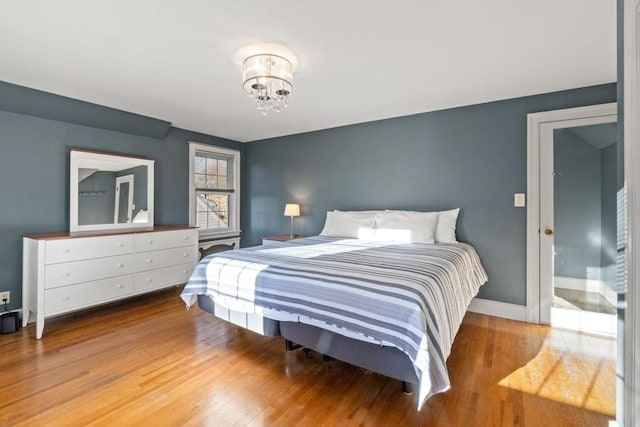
(499, 309)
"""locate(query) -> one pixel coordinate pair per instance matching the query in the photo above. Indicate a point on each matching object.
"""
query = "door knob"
(548, 232)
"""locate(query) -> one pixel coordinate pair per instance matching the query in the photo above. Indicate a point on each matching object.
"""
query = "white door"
(573, 291)
(122, 213)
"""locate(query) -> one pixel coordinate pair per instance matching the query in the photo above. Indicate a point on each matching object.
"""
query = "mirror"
(110, 192)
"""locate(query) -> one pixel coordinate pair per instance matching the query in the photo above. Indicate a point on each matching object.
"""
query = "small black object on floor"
(8, 321)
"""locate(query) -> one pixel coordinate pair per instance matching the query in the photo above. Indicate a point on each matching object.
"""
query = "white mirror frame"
(92, 159)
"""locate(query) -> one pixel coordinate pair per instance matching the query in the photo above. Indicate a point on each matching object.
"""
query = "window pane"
(212, 211)
(212, 166)
(201, 181)
(212, 182)
(222, 167)
(200, 164)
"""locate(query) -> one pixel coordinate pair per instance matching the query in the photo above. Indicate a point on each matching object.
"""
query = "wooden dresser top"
(68, 235)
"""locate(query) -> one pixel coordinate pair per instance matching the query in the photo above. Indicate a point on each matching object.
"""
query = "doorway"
(578, 187)
(571, 219)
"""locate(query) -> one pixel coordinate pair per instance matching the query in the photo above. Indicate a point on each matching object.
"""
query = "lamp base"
(291, 235)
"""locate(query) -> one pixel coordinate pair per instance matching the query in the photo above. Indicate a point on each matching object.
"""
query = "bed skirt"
(384, 360)
(251, 321)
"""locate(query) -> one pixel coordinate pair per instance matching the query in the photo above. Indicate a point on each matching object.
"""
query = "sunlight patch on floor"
(572, 369)
(585, 321)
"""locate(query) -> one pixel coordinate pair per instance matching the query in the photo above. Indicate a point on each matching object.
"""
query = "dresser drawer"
(65, 250)
(68, 273)
(164, 240)
(67, 298)
(156, 279)
(157, 259)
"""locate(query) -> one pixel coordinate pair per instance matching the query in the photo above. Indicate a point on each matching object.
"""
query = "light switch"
(519, 200)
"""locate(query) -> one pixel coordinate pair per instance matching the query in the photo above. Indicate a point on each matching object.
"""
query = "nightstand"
(279, 238)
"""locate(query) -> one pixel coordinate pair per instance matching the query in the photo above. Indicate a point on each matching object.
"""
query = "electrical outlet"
(3, 295)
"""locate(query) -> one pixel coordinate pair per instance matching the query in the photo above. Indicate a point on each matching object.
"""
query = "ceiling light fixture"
(269, 79)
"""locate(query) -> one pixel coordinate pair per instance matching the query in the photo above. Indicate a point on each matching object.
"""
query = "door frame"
(629, 413)
(539, 124)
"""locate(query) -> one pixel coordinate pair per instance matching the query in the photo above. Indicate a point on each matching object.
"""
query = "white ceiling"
(358, 60)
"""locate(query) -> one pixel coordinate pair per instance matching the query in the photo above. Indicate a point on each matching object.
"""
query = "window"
(214, 196)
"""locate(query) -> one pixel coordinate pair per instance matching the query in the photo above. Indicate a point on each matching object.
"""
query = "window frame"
(234, 216)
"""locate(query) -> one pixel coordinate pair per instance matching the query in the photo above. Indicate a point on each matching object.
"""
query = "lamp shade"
(268, 78)
(292, 209)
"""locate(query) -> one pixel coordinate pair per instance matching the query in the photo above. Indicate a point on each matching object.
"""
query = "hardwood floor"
(150, 362)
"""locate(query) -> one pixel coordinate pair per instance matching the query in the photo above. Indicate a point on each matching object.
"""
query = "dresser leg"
(39, 328)
(25, 317)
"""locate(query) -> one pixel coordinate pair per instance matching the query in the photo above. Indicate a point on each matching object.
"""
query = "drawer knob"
(185, 254)
(149, 241)
(148, 279)
(65, 298)
(66, 274)
(186, 237)
(120, 245)
(149, 260)
(119, 265)
(120, 286)
(184, 271)
(66, 251)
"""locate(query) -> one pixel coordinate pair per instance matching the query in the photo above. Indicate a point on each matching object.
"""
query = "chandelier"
(268, 79)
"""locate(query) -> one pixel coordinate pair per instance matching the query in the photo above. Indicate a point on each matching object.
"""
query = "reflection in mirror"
(124, 199)
(110, 191)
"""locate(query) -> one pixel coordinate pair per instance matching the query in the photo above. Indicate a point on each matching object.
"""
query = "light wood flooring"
(149, 362)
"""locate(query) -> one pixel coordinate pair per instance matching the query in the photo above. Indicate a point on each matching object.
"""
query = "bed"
(389, 306)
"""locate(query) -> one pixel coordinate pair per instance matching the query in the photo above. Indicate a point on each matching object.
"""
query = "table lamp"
(292, 209)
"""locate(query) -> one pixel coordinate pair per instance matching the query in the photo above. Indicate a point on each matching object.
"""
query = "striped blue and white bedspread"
(410, 296)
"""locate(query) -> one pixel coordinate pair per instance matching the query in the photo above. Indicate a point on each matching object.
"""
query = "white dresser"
(64, 273)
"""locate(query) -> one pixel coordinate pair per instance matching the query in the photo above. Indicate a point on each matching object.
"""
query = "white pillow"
(446, 226)
(349, 224)
(407, 226)
(377, 212)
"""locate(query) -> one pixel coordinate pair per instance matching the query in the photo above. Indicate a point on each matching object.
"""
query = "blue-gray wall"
(34, 163)
(471, 157)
